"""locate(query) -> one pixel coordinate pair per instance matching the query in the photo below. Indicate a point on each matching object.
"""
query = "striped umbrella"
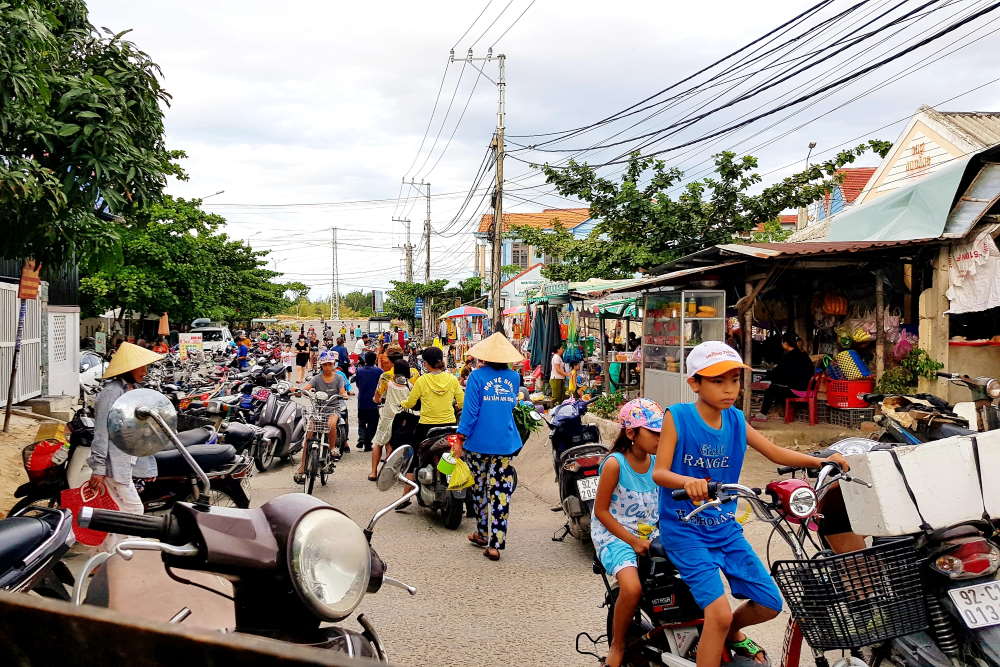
(464, 311)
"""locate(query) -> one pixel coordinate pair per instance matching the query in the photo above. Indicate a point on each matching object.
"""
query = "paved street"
(527, 608)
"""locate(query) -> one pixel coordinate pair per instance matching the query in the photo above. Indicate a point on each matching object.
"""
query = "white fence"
(29, 366)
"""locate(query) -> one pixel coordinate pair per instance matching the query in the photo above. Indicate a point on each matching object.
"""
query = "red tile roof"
(790, 219)
(855, 180)
(568, 218)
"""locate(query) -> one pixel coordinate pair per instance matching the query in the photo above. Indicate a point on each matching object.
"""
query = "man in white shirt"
(361, 345)
(557, 378)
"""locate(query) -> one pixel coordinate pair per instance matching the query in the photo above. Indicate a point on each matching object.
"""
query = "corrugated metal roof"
(981, 127)
(767, 250)
(656, 281)
(978, 198)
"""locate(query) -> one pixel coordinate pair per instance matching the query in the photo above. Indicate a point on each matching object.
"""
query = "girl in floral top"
(626, 511)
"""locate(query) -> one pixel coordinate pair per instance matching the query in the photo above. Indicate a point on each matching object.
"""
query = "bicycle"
(320, 461)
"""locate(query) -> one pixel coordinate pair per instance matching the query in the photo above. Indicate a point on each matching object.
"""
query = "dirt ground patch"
(22, 432)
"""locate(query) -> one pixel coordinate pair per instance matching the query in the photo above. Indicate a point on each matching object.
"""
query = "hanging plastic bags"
(460, 477)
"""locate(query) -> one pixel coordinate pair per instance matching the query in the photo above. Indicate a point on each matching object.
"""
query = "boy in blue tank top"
(701, 442)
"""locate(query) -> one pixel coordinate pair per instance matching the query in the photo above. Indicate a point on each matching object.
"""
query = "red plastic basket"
(75, 499)
(844, 393)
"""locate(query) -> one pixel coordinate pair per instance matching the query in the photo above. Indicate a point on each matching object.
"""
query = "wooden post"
(748, 347)
(879, 325)
(13, 364)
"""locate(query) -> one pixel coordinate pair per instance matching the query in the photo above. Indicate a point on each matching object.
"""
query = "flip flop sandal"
(492, 554)
(299, 478)
(478, 540)
(748, 648)
(372, 478)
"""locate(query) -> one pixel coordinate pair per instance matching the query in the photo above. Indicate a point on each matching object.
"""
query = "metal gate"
(29, 366)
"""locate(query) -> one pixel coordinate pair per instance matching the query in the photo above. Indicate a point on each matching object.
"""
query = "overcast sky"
(291, 107)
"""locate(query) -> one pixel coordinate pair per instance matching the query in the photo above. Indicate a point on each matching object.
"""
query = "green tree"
(81, 126)
(401, 299)
(641, 226)
(175, 260)
(359, 302)
(772, 232)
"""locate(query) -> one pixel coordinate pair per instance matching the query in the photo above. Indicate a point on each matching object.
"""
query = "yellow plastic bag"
(460, 477)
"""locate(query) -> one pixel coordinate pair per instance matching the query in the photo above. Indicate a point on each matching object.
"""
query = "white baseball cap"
(713, 358)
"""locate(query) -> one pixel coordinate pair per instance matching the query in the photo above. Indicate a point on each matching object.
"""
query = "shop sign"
(418, 307)
(556, 287)
(101, 342)
(525, 287)
(30, 280)
(188, 343)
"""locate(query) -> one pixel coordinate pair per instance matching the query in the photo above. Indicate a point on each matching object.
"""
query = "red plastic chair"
(809, 397)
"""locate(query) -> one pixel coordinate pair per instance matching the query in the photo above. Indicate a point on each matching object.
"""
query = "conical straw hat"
(497, 349)
(129, 357)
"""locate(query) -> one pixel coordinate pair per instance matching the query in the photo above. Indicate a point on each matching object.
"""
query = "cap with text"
(713, 358)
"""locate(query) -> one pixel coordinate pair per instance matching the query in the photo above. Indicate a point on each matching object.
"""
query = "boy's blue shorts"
(747, 576)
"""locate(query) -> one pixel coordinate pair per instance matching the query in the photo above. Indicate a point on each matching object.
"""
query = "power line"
(492, 23)
(512, 24)
(459, 40)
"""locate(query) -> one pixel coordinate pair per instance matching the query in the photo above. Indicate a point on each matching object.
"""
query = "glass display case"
(674, 322)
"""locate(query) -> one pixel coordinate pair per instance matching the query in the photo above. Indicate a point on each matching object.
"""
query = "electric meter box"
(942, 475)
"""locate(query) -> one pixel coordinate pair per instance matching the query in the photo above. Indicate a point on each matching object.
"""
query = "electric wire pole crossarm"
(407, 250)
(496, 235)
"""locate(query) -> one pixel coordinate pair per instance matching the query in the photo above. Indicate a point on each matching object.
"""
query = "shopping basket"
(855, 599)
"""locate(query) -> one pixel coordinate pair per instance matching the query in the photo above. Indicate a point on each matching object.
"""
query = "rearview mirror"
(131, 427)
(394, 465)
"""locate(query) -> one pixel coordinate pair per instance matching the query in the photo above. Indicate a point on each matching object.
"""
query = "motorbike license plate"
(979, 604)
(587, 487)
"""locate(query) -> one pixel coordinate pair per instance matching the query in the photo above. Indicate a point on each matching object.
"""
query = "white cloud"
(327, 101)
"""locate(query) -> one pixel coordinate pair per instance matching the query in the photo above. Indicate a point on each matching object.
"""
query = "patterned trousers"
(494, 482)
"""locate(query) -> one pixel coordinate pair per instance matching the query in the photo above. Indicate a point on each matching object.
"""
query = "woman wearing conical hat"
(489, 439)
(113, 469)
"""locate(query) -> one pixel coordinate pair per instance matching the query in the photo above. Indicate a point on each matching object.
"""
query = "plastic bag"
(75, 499)
(460, 477)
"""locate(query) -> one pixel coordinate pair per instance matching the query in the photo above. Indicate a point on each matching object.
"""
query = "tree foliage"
(175, 260)
(81, 126)
(640, 225)
(359, 302)
(400, 300)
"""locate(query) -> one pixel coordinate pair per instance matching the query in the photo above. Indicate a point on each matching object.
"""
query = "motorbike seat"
(209, 457)
(195, 436)
(656, 550)
(941, 430)
(276, 369)
(240, 435)
(440, 432)
(19, 536)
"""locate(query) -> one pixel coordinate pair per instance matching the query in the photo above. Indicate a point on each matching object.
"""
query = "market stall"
(675, 321)
(459, 329)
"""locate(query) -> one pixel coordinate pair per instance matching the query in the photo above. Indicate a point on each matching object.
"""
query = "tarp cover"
(917, 211)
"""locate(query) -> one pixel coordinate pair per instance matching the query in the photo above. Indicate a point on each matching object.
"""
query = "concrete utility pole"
(335, 288)
(407, 251)
(427, 246)
(496, 233)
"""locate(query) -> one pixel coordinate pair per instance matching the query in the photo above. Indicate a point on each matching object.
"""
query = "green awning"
(917, 211)
(619, 309)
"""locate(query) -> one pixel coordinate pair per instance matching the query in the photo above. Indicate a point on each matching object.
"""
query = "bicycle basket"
(855, 599)
(320, 413)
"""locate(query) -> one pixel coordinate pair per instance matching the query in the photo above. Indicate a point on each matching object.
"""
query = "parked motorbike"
(943, 608)
(32, 542)
(433, 484)
(284, 427)
(577, 453)
(228, 471)
(294, 563)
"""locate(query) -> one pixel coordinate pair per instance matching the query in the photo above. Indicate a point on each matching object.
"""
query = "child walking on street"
(703, 442)
(626, 511)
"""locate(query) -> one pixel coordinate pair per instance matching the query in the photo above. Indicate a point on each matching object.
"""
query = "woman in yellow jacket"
(438, 392)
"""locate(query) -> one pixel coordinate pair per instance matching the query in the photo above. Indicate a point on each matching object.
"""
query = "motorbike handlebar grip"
(681, 494)
(784, 470)
(942, 374)
(138, 525)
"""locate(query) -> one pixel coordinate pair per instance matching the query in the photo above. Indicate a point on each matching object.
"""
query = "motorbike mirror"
(534, 416)
(393, 467)
(130, 426)
(142, 422)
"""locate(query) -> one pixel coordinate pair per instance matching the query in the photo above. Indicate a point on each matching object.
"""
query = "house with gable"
(517, 253)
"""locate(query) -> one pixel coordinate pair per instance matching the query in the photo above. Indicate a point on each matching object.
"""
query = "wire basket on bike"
(855, 599)
(319, 414)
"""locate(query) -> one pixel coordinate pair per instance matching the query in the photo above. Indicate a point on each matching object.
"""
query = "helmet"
(329, 357)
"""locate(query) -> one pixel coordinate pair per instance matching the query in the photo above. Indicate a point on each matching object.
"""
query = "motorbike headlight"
(802, 502)
(329, 562)
(993, 388)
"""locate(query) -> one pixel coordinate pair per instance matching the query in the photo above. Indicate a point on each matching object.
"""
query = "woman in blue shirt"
(487, 432)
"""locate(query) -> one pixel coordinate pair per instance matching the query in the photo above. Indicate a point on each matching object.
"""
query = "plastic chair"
(808, 397)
